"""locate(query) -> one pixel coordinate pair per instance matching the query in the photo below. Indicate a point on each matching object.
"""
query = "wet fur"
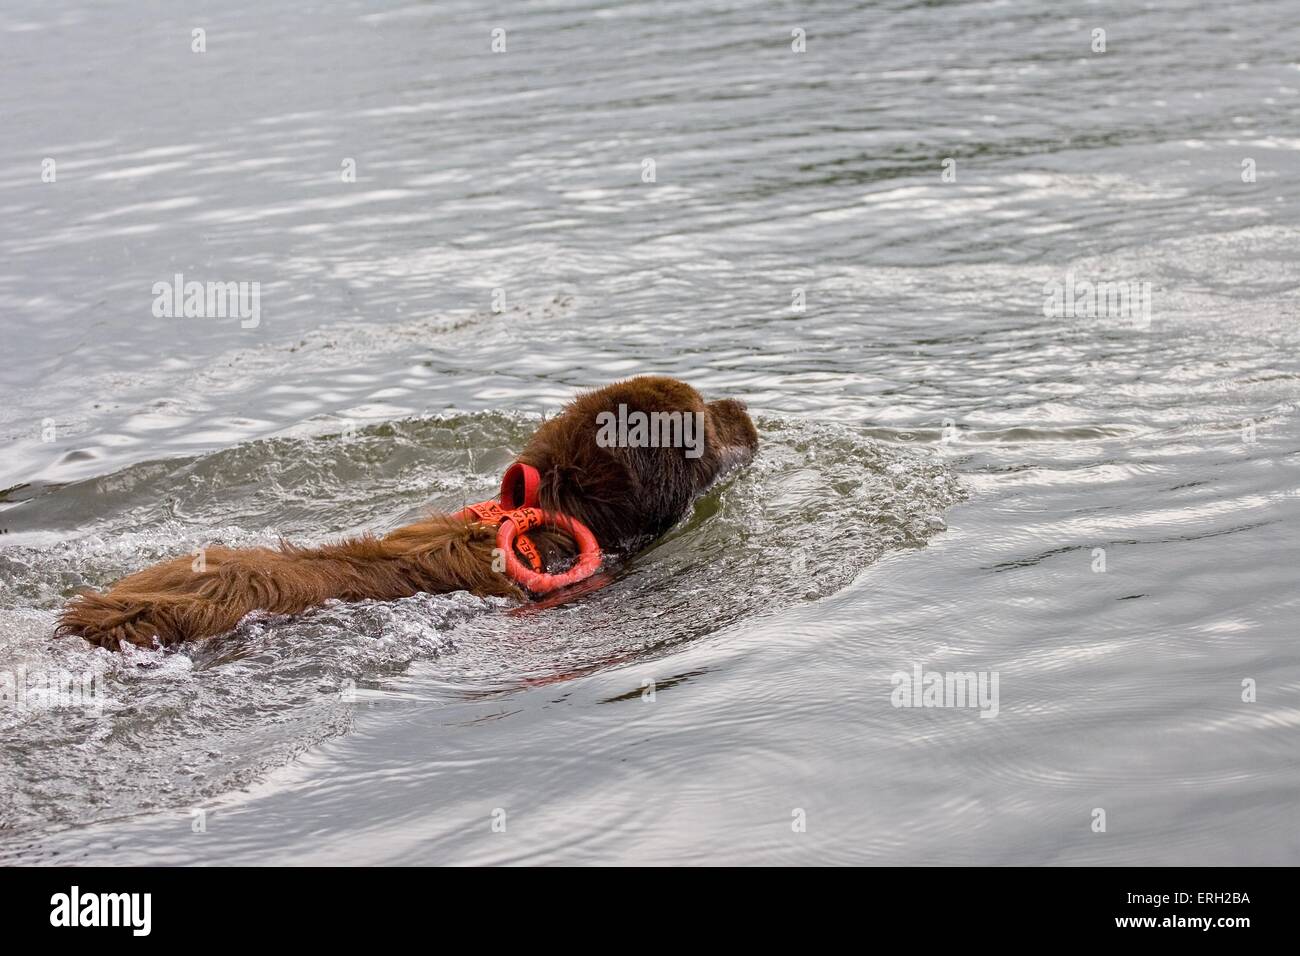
(627, 496)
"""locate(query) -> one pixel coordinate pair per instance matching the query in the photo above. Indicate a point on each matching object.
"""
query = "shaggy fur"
(626, 496)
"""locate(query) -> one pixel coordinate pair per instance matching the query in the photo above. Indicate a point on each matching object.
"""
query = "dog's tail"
(182, 599)
(111, 619)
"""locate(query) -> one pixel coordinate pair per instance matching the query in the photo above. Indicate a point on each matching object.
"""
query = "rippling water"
(945, 471)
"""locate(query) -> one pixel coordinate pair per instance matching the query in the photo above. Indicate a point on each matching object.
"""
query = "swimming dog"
(579, 484)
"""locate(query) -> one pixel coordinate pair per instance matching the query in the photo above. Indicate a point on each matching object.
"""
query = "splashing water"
(817, 506)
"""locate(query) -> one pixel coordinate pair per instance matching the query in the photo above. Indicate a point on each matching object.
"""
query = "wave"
(819, 504)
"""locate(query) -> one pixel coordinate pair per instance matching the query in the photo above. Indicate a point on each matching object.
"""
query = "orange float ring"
(539, 582)
(515, 514)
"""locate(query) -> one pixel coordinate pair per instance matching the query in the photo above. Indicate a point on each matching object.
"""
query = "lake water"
(958, 474)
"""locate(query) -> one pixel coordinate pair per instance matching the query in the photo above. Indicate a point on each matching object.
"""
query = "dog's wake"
(816, 508)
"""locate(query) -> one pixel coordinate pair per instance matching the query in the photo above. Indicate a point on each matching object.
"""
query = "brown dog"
(621, 482)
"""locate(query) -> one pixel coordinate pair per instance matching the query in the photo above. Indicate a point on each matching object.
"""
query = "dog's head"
(628, 459)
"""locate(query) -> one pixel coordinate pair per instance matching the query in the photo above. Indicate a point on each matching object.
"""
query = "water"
(940, 464)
